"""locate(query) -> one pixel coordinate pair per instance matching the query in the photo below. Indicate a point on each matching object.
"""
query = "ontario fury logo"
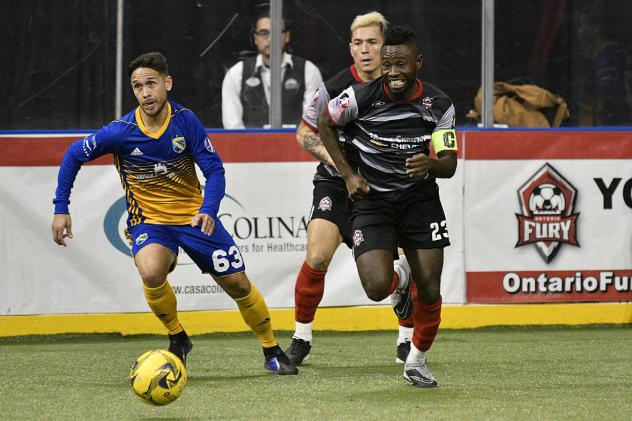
(547, 201)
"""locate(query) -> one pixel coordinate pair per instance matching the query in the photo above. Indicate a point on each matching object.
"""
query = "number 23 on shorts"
(439, 230)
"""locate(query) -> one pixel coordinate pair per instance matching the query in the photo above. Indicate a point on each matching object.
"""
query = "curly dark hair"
(153, 60)
(399, 35)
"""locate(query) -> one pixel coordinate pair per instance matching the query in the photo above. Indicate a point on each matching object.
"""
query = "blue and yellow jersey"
(157, 170)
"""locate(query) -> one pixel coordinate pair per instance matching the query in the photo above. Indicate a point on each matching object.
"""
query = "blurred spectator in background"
(246, 86)
(602, 96)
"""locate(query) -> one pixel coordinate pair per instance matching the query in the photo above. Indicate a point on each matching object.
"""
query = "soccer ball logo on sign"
(547, 201)
(547, 198)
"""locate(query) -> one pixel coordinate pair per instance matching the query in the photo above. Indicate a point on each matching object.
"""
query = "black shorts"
(331, 202)
(413, 219)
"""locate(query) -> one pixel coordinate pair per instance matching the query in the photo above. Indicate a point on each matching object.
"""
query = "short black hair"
(153, 60)
(266, 14)
(400, 35)
(263, 11)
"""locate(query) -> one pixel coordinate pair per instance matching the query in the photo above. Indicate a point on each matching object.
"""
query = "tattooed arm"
(311, 142)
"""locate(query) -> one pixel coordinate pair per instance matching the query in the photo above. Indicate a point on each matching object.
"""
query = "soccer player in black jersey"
(329, 224)
(390, 124)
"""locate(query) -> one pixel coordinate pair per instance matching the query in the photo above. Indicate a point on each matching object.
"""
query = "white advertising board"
(265, 209)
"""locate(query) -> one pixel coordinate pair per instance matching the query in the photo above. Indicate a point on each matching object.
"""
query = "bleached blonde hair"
(370, 19)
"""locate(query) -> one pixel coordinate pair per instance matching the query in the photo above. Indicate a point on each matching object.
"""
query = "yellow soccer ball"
(158, 377)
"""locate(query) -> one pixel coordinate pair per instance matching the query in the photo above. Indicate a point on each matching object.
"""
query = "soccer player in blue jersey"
(391, 122)
(155, 148)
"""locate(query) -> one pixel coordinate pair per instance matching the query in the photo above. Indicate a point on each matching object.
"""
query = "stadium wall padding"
(515, 257)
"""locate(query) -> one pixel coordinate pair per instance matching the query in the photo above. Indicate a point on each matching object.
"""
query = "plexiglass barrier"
(59, 57)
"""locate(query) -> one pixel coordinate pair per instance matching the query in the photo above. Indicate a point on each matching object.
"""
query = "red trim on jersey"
(331, 119)
(420, 90)
(309, 125)
(355, 74)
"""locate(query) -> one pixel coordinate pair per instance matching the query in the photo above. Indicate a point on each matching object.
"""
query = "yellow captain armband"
(444, 140)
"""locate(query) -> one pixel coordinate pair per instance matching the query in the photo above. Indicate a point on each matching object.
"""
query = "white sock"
(303, 331)
(405, 335)
(403, 277)
(416, 356)
(401, 267)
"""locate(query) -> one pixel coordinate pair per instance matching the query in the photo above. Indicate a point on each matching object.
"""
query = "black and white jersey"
(386, 131)
(327, 90)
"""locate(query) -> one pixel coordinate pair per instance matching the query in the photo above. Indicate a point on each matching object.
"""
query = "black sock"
(272, 351)
(180, 336)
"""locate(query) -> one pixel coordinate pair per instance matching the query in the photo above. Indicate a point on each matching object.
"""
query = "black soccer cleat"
(298, 352)
(403, 350)
(277, 362)
(180, 345)
(402, 302)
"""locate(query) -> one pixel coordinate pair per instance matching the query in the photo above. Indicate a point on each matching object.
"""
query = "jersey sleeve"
(210, 163)
(444, 135)
(344, 108)
(319, 102)
(87, 149)
(313, 80)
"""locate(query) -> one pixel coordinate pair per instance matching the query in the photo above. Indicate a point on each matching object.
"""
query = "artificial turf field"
(529, 373)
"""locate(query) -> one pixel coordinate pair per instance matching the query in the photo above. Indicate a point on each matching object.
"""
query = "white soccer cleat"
(419, 375)
(401, 300)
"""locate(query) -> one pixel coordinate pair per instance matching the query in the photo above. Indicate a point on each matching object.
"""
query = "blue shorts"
(216, 254)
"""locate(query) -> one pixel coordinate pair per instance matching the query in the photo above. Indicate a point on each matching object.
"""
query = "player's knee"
(375, 294)
(153, 263)
(317, 260)
(236, 285)
(240, 288)
(376, 289)
(152, 278)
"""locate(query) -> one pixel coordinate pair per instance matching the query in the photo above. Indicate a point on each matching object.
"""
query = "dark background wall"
(57, 57)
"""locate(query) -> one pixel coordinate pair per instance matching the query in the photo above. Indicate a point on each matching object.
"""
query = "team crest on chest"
(179, 144)
(325, 204)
